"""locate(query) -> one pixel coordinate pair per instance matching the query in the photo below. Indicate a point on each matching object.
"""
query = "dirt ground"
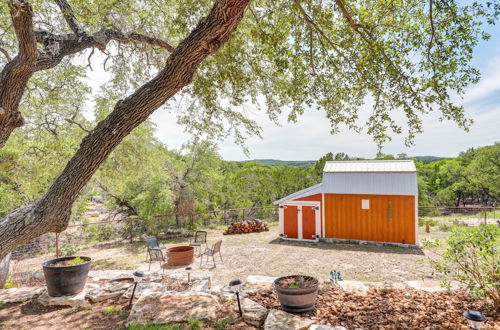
(264, 254)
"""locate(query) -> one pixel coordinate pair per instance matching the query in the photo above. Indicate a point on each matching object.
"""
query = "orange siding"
(344, 218)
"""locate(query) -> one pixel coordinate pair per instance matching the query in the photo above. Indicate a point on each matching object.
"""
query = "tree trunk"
(4, 269)
(51, 212)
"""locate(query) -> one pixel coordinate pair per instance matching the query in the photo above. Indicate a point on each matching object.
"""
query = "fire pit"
(180, 256)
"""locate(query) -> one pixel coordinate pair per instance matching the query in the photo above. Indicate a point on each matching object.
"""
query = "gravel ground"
(263, 254)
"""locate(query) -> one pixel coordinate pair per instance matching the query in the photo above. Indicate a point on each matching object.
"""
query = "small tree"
(473, 260)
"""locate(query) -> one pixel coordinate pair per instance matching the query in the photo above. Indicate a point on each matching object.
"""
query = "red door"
(308, 222)
(291, 221)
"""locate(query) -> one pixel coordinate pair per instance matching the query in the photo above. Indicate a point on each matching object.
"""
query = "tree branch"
(71, 121)
(16, 73)
(70, 18)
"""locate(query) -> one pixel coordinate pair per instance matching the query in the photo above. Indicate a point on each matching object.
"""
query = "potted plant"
(297, 293)
(66, 276)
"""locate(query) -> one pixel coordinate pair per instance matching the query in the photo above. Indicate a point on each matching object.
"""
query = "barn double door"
(301, 221)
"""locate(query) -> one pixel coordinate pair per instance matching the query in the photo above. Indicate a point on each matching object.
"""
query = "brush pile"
(246, 226)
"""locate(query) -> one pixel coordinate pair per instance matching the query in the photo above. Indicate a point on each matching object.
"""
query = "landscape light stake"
(188, 269)
(235, 287)
(475, 319)
(137, 275)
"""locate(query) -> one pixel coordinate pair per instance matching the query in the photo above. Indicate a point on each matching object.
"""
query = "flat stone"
(73, 301)
(201, 285)
(144, 288)
(279, 320)
(227, 292)
(253, 313)
(354, 287)
(108, 291)
(169, 307)
(260, 279)
(426, 285)
(326, 327)
(15, 295)
(98, 275)
(386, 286)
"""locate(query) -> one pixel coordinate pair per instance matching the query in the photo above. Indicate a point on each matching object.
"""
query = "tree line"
(143, 177)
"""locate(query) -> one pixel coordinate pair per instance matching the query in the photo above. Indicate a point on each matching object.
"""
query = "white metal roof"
(316, 189)
(370, 166)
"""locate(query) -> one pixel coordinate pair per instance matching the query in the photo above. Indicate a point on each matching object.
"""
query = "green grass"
(111, 310)
(150, 326)
(222, 323)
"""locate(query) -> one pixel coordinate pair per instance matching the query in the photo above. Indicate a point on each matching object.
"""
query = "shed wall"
(344, 218)
(371, 183)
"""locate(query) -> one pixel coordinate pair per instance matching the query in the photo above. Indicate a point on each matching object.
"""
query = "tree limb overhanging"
(52, 211)
(16, 73)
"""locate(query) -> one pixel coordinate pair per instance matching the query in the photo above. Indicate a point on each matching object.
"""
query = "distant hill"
(429, 159)
(306, 163)
(277, 162)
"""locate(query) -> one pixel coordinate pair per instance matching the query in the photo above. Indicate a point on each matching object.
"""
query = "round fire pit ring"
(180, 256)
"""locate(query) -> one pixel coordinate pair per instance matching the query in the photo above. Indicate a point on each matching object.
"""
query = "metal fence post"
(57, 245)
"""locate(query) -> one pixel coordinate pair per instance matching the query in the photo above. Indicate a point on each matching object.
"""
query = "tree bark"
(52, 211)
(4, 269)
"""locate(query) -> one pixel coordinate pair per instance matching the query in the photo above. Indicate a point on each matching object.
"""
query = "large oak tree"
(409, 57)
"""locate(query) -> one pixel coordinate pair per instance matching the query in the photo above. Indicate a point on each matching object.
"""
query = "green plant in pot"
(297, 293)
(66, 276)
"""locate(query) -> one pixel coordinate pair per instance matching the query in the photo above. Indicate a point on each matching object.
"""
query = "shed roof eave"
(316, 189)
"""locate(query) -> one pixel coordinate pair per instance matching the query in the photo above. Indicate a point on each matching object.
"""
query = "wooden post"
(131, 229)
(57, 245)
(243, 214)
(485, 214)
(427, 226)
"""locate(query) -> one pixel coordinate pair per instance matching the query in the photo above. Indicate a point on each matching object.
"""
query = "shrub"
(428, 243)
(9, 284)
(99, 233)
(69, 249)
(443, 226)
(472, 259)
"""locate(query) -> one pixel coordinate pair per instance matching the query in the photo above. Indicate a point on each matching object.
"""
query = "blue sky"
(310, 137)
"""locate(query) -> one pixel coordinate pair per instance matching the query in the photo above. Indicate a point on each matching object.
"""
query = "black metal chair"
(211, 252)
(155, 251)
(156, 255)
(200, 238)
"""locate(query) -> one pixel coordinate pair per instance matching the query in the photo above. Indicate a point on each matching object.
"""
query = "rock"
(108, 291)
(326, 327)
(354, 287)
(201, 285)
(15, 295)
(73, 301)
(144, 288)
(260, 279)
(169, 307)
(227, 293)
(253, 313)
(98, 275)
(279, 320)
(386, 286)
(426, 285)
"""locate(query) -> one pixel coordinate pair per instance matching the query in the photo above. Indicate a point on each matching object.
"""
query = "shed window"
(365, 204)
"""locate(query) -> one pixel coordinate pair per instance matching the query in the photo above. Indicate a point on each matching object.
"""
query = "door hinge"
(316, 208)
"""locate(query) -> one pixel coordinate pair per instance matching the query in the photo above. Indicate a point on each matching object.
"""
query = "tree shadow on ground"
(351, 247)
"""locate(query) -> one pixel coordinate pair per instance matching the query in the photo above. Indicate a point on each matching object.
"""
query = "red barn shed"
(356, 200)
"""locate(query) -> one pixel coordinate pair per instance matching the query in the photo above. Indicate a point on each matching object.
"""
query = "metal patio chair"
(152, 244)
(200, 238)
(211, 252)
(156, 254)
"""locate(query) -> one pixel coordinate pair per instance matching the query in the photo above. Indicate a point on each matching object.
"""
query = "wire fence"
(119, 230)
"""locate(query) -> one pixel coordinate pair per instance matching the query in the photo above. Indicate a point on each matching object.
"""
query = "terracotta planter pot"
(297, 300)
(65, 280)
(180, 256)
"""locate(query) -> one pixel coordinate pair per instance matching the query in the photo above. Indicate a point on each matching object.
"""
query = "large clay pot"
(180, 255)
(65, 280)
(297, 300)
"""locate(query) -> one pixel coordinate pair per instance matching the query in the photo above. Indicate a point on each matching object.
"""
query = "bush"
(99, 233)
(472, 259)
(69, 249)
(443, 226)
